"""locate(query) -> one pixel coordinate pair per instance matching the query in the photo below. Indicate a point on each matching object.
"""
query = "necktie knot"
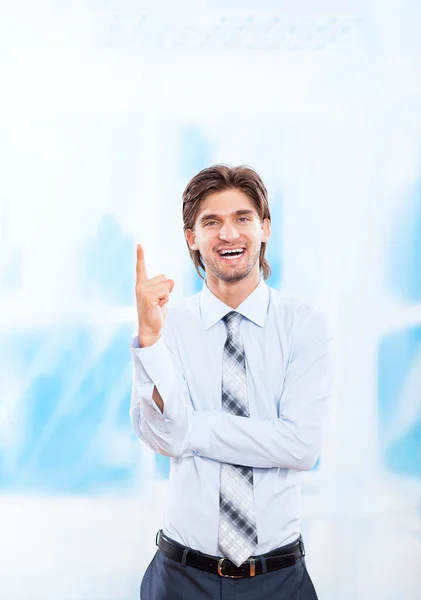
(232, 321)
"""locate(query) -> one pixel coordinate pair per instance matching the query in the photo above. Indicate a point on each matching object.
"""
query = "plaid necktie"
(237, 523)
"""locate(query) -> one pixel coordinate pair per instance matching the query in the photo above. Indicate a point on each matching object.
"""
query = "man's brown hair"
(217, 179)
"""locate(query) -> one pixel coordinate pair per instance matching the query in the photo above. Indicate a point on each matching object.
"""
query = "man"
(233, 385)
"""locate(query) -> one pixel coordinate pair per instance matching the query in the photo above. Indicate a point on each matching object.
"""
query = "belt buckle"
(252, 569)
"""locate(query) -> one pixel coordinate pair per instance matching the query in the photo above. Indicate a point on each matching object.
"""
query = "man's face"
(228, 234)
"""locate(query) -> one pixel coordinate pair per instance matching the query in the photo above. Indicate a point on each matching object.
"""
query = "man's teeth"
(232, 254)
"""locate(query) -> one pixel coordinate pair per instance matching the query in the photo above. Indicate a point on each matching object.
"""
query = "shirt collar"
(254, 307)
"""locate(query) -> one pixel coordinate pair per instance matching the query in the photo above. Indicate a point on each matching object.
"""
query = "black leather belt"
(271, 561)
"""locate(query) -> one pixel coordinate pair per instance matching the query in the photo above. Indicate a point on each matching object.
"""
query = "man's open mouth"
(232, 254)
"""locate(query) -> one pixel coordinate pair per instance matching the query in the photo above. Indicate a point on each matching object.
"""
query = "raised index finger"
(141, 274)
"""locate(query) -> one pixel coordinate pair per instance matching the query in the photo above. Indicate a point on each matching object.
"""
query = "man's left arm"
(293, 440)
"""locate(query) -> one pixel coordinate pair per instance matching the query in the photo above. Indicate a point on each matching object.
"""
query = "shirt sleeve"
(293, 440)
(157, 365)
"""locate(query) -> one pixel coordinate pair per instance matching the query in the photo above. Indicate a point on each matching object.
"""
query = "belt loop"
(264, 567)
(184, 557)
(303, 550)
(158, 535)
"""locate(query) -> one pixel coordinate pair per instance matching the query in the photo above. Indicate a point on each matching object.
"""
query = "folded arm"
(292, 441)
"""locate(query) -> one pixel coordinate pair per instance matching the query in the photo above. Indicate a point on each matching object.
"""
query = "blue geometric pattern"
(399, 401)
(405, 251)
(105, 258)
(75, 433)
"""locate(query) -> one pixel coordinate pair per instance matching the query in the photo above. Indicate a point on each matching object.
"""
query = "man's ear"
(191, 239)
(266, 230)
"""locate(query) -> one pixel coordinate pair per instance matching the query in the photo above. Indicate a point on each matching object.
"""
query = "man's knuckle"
(142, 292)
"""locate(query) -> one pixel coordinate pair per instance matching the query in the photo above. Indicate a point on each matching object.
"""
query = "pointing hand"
(152, 296)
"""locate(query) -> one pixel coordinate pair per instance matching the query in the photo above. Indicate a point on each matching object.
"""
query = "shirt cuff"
(154, 364)
(141, 374)
(155, 361)
(143, 383)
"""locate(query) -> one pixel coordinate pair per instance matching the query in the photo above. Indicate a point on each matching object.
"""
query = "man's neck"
(233, 294)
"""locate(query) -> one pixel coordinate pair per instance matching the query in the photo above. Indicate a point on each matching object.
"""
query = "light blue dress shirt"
(288, 349)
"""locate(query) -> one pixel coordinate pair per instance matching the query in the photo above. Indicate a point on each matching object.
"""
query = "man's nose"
(228, 232)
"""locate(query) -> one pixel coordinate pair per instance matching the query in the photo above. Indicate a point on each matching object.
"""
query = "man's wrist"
(148, 339)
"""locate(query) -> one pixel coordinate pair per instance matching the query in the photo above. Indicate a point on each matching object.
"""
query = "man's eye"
(210, 223)
(244, 219)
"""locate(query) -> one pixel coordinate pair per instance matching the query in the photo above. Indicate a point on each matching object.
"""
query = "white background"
(106, 110)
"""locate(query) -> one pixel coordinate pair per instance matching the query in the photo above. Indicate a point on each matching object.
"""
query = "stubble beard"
(233, 276)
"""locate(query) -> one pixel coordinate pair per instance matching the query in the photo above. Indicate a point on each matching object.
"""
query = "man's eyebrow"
(209, 217)
(244, 211)
(237, 213)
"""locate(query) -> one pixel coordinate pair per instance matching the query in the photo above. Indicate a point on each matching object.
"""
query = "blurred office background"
(107, 108)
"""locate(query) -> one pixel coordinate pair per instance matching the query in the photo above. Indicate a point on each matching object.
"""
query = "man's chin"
(231, 277)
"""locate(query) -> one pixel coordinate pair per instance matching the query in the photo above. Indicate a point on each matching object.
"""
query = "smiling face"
(228, 234)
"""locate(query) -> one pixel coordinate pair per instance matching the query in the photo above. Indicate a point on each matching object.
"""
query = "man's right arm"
(145, 342)
(160, 408)
(156, 374)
